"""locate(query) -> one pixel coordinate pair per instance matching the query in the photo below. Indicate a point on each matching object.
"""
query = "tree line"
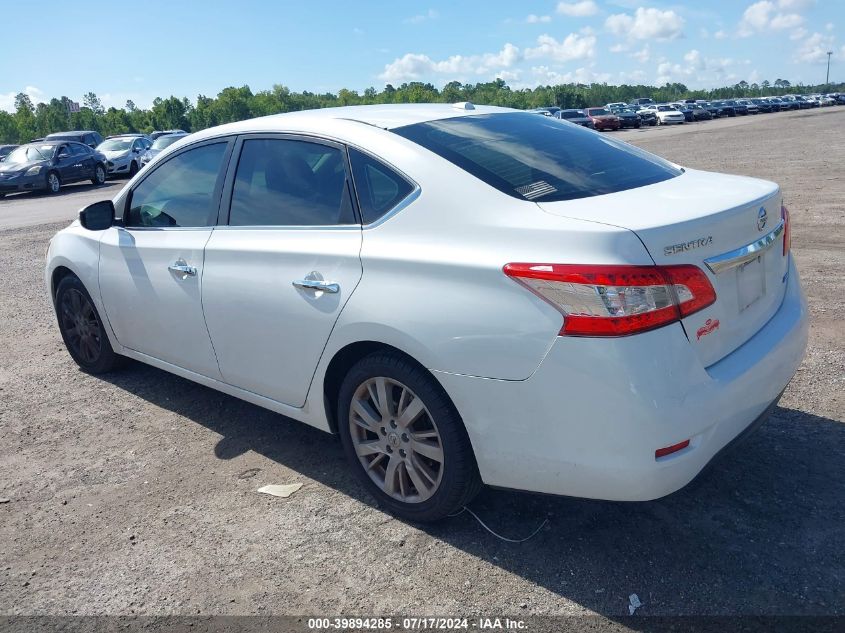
(30, 121)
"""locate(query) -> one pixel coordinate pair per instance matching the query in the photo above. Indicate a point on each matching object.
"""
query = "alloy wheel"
(100, 175)
(53, 183)
(396, 440)
(81, 325)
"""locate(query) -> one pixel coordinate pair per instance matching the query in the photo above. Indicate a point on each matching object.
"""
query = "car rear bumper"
(588, 421)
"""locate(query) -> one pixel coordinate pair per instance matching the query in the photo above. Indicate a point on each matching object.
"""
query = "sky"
(141, 50)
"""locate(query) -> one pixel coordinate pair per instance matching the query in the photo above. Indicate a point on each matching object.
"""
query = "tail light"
(616, 300)
(787, 232)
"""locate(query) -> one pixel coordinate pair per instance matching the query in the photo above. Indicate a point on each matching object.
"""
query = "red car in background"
(603, 119)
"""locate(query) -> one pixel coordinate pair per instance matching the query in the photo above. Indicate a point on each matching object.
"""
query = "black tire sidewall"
(107, 359)
(49, 188)
(460, 481)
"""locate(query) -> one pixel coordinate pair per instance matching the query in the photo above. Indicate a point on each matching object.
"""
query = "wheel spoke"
(380, 396)
(390, 475)
(370, 447)
(428, 449)
(75, 301)
(376, 461)
(423, 489)
(410, 414)
(366, 418)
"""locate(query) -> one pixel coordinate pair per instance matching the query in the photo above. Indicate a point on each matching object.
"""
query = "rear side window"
(180, 192)
(284, 182)
(539, 158)
(378, 186)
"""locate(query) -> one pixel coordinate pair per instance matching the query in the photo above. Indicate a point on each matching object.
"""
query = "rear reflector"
(663, 452)
(616, 300)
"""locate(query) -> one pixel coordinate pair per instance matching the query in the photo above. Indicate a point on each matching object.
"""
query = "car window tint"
(180, 191)
(378, 186)
(538, 158)
(282, 182)
(77, 150)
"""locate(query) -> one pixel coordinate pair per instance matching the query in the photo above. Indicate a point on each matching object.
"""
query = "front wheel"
(404, 438)
(54, 184)
(133, 169)
(99, 175)
(82, 328)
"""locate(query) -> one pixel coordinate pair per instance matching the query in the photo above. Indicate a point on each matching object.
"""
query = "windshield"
(535, 158)
(165, 141)
(29, 153)
(597, 111)
(572, 114)
(116, 145)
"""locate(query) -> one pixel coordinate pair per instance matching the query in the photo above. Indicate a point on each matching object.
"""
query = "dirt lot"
(135, 493)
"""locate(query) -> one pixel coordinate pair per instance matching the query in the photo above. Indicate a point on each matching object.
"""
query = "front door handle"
(317, 284)
(181, 268)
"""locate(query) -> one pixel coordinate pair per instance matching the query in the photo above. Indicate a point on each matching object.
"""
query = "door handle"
(181, 268)
(317, 284)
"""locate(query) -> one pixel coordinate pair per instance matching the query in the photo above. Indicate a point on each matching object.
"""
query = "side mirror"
(98, 216)
(63, 155)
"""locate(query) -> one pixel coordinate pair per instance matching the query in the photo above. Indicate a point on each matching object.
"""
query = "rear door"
(278, 275)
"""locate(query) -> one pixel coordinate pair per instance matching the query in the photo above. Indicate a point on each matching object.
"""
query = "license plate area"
(750, 282)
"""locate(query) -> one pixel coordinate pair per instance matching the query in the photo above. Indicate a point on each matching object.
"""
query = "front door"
(151, 269)
(277, 277)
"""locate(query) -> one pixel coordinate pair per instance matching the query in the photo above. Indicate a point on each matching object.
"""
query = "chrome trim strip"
(738, 257)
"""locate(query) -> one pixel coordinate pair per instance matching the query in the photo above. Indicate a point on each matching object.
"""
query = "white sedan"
(463, 294)
(667, 115)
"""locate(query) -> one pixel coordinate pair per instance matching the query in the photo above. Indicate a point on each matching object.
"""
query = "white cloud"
(7, 100)
(828, 26)
(795, 5)
(813, 50)
(618, 48)
(414, 66)
(646, 24)
(578, 9)
(798, 34)
(643, 55)
(545, 75)
(573, 46)
(720, 35)
(696, 68)
(537, 19)
(764, 16)
(431, 14)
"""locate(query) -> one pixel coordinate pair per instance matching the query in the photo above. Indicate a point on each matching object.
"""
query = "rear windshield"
(538, 158)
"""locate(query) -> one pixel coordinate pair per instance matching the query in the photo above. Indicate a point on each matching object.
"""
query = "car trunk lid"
(728, 226)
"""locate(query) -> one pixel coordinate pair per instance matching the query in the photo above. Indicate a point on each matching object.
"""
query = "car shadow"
(762, 532)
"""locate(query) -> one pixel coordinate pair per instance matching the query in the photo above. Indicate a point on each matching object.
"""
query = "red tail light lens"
(616, 300)
(787, 232)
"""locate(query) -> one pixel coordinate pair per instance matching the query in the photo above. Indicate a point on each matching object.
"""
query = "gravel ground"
(135, 493)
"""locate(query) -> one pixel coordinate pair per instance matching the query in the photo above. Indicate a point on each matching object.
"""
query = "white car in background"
(464, 294)
(666, 114)
(123, 153)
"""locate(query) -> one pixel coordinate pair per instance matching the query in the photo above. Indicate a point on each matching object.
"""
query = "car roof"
(71, 133)
(387, 116)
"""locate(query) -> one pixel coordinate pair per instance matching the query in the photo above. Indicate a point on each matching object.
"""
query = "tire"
(133, 169)
(415, 486)
(91, 349)
(53, 182)
(99, 175)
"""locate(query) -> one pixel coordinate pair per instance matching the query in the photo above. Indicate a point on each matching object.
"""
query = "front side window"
(180, 192)
(537, 158)
(379, 187)
(286, 182)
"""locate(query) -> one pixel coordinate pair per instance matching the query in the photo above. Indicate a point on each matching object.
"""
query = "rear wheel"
(404, 438)
(99, 175)
(82, 328)
(133, 169)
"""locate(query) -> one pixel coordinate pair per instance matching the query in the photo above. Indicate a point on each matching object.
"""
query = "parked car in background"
(763, 106)
(724, 108)
(647, 117)
(50, 164)
(154, 135)
(5, 150)
(666, 114)
(86, 137)
(778, 105)
(626, 116)
(579, 117)
(700, 113)
(794, 102)
(738, 107)
(159, 144)
(579, 355)
(749, 105)
(714, 110)
(615, 105)
(543, 111)
(685, 109)
(603, 119)
(123, 153)
(643, 101)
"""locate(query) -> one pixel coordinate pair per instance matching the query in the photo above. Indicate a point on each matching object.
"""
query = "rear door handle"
(181, 268)
(317, 284)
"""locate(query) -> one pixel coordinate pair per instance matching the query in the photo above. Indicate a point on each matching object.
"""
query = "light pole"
(827, 76)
